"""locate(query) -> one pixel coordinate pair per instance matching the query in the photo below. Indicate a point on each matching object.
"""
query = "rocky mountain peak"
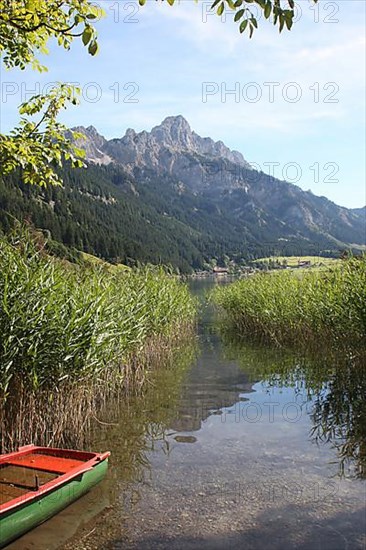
(174, 132)
(130, 133)
(91, 130)
(172, 147)
(93, 143)
(176, 122)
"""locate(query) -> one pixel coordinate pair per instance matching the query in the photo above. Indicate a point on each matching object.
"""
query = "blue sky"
(297, 108)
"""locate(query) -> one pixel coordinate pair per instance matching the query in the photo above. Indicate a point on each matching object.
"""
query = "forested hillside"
(102, 211)
(175, 198)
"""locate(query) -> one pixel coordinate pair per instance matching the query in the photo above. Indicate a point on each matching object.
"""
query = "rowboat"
(37, 482)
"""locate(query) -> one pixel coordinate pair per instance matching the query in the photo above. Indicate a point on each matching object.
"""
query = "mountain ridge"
(211, 169)
(173, 133)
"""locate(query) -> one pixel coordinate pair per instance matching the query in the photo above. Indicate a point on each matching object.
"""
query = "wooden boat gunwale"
(93, 459)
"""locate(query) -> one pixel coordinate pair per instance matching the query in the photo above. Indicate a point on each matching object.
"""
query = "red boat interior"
(39, 461)
(28, 472)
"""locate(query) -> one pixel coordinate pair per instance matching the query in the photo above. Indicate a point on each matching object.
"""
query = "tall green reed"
(300, 305)
(61, 322)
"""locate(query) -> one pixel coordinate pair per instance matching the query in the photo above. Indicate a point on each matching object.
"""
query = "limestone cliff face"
(172, 147)
(93, 144)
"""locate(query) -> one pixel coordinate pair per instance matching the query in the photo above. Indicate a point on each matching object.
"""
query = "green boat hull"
(17, 522)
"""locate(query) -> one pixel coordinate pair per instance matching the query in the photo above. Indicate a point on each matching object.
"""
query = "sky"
(292, 104)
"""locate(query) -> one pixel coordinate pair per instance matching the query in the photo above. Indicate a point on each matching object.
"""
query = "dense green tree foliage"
(281, 12)
(106, 212)
(38, 144)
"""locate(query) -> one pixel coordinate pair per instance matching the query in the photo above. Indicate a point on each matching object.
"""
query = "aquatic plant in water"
(66, 327)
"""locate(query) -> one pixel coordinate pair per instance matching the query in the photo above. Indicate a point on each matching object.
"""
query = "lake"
(236, 444)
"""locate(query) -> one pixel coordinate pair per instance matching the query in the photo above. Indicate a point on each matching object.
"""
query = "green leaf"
(239, 14)
(243, 25)
(170, 2)
(215, 4)
(231, 4)
(288, 23)
(93, 47)
(87, 34)
(220, 9)
(267, 10)
(97, 11)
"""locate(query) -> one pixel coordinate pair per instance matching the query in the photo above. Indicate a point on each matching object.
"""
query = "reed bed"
(294, 306)
(70, 334)
(66, 415)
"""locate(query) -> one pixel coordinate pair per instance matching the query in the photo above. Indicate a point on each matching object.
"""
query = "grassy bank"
(287, 307)
(64, 326)
(294, 261)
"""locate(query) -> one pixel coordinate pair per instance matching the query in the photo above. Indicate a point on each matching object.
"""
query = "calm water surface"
(236, 445)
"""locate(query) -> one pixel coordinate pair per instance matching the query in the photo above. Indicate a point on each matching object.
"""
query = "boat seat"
(24, 477)
(8, 492)
(56, 464)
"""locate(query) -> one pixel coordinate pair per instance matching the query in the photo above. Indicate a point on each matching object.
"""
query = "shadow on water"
(234, 444)
(274, 533)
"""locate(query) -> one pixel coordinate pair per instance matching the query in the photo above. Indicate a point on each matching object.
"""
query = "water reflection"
(135, 426)
(339, 414)
(332, 385)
